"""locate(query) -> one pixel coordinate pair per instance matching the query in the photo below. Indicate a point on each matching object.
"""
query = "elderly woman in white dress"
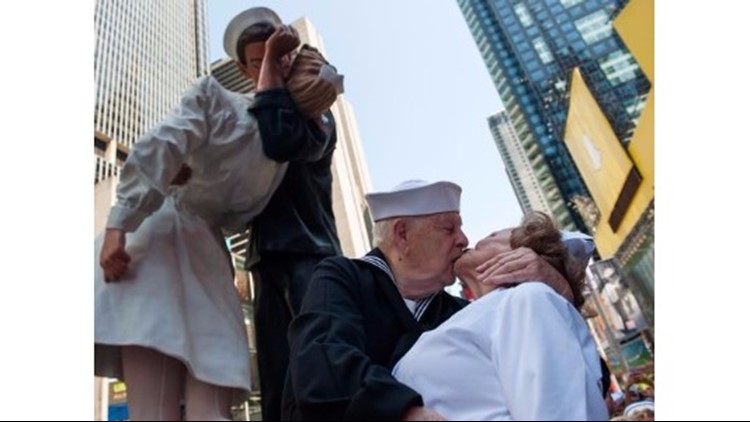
(518, 353)
(171, 325)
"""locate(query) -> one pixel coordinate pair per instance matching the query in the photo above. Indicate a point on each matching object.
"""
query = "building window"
(635, 106)
(523, 46)
(594, 27)
(538, 75)
(599, 49)
(618, 67)
(532, 66)
(545, 55)
(523, 14)
(569, 3)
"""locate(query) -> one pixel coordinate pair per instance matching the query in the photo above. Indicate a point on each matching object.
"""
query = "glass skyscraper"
(530, 48)
(528, 173)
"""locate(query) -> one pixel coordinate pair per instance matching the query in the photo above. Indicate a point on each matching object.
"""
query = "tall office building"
(528, 172)
(350, 175)
(147, 53)
(530, 48)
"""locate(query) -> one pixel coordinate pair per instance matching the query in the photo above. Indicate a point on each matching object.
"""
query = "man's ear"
(242, 68)
(400, 234)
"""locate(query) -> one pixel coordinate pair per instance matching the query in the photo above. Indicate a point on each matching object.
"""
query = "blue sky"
(420, 93)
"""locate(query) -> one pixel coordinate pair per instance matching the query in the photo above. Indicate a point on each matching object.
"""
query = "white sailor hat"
(579, 244)
(243, 21)
(580, 248)
(413, 198)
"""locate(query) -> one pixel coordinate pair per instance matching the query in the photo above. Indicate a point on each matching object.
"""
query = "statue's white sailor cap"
(244, 20)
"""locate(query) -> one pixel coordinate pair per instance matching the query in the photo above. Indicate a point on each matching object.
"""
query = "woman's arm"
(152, 164)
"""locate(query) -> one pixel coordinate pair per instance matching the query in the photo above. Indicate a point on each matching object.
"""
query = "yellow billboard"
(616, 184)
(606, 168)
(635, 25)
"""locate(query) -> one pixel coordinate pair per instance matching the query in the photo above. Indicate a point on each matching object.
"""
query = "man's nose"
(463, 241)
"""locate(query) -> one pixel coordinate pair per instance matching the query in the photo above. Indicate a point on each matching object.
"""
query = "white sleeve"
(541, 364)
(156, 159)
